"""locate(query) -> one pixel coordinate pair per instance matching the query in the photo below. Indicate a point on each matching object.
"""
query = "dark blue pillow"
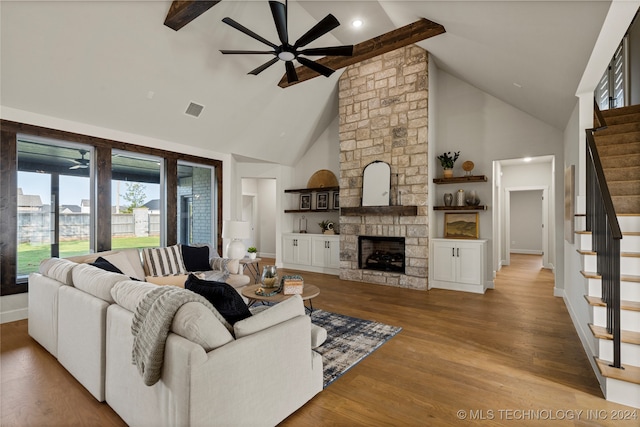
(105, 265)
(195, 258)
(222, 296)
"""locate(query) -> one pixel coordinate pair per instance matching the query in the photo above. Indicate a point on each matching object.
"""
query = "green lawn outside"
(30, 256)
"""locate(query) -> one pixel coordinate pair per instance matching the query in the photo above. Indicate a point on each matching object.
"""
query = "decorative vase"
(460, 198)
(252, 255)
(472, 198)
(448, 173)
(269, 278)
(448, 199)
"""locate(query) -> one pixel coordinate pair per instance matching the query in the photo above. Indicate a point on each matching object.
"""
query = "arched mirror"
(376, 184)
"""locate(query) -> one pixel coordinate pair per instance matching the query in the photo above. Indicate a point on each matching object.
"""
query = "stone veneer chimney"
(383, 116)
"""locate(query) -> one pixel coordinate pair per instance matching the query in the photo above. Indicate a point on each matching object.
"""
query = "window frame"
(9, 131)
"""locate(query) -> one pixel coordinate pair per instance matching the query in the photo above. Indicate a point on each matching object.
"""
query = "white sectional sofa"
(256, 375)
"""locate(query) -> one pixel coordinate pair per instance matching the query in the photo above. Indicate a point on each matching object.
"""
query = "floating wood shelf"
(380, 210)
(460, 208)
(460, 179)
(309, 210)
(312, 190)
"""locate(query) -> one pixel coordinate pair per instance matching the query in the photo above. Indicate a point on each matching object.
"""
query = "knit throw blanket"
(150, 327)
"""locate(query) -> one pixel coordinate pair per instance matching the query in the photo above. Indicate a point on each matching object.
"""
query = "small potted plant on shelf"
(447, 161)
(252, 252)
(327, 227)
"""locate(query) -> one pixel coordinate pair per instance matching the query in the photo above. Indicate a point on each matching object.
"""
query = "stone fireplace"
(383, 117)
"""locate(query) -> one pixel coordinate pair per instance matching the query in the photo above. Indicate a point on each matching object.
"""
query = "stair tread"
(624, 305)
(623, 278)
(630, 337)
(630, 109)
(624, 233)
(622, 254)
(629, 374)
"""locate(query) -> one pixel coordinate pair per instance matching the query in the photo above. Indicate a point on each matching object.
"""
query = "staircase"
(619, 148)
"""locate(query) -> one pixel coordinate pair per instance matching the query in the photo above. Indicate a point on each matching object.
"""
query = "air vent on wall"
(194, 109)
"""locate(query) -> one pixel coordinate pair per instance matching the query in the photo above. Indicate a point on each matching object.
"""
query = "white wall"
(264, 192)
(526, 222)
(485, 129)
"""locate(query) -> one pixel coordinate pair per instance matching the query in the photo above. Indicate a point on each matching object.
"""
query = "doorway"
(526, 222)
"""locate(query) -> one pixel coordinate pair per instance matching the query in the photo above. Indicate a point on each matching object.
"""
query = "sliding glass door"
(54, 202)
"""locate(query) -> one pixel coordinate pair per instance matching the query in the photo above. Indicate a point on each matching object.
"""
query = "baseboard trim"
(526, 251)
(14, 315)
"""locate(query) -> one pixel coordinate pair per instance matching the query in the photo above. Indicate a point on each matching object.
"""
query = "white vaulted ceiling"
(113, 64)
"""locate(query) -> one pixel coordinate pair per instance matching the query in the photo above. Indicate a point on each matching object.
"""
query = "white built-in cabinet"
(311, 252)
(325, 251)
(458, 265)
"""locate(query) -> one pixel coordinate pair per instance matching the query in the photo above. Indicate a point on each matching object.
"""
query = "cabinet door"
(319, 252)
(444, 261)
(303, 250)
(469, 261)
(288, 249)
(333, 253)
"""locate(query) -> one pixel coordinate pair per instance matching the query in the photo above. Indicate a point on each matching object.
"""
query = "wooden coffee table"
(309, 292)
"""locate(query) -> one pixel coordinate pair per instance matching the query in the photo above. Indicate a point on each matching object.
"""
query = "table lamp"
(236, 231)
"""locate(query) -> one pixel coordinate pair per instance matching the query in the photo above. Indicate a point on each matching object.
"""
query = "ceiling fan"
(287, 52)
(80, 163)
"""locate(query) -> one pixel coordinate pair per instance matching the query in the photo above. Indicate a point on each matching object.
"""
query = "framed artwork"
(569, 206)
(461, 225)
(336, 200)
(322, 200)
(305, 201)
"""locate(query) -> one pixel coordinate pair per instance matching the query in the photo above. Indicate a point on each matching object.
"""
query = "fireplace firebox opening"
(381, 253)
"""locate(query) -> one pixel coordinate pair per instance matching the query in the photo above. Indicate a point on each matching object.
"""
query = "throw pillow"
(195, 258)
(222, 296)
(105, 265)
(164, 261)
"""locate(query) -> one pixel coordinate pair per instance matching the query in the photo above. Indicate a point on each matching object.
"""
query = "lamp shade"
(236, 230)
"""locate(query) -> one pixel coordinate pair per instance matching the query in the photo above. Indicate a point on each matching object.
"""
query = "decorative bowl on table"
(269, 278)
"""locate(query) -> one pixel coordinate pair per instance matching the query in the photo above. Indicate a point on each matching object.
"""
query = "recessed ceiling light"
(527, 159)
(357, 23)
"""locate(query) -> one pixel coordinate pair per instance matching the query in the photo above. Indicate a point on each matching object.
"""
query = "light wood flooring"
(502, 358)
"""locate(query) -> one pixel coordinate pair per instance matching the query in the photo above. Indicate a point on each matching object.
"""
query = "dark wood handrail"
(602, 123)
(604, 189)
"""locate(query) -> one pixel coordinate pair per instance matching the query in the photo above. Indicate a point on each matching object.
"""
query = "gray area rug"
(349, 340)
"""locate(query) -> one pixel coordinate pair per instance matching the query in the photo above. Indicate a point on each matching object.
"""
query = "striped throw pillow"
(164, 261)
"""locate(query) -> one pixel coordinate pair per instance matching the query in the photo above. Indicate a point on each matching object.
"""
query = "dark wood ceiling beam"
(409, 34)
(182, 12)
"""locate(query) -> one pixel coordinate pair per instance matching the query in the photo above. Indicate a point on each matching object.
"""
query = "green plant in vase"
(253, 251)
(447, 161)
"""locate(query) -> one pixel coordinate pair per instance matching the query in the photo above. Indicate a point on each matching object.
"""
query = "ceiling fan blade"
(321, 28)
(248, 32)
(329, 51)
(263, 67)
(279, 12)
(292, 76)
(78, 167)
(318, 68)
(247, 52)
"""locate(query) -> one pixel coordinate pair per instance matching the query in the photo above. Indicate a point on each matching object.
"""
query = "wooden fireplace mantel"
(380, 210)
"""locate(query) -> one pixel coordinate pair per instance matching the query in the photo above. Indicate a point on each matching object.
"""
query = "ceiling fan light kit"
(287, 52)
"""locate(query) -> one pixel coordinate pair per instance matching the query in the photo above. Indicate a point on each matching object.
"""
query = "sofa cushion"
(279, 313)
(122, 261)
(168, 280)
(95, 281)
(196, 258)
(105, 265)
(228, 265)
(58, 269)
(193, 321)
(164, 261)
(222, 296)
